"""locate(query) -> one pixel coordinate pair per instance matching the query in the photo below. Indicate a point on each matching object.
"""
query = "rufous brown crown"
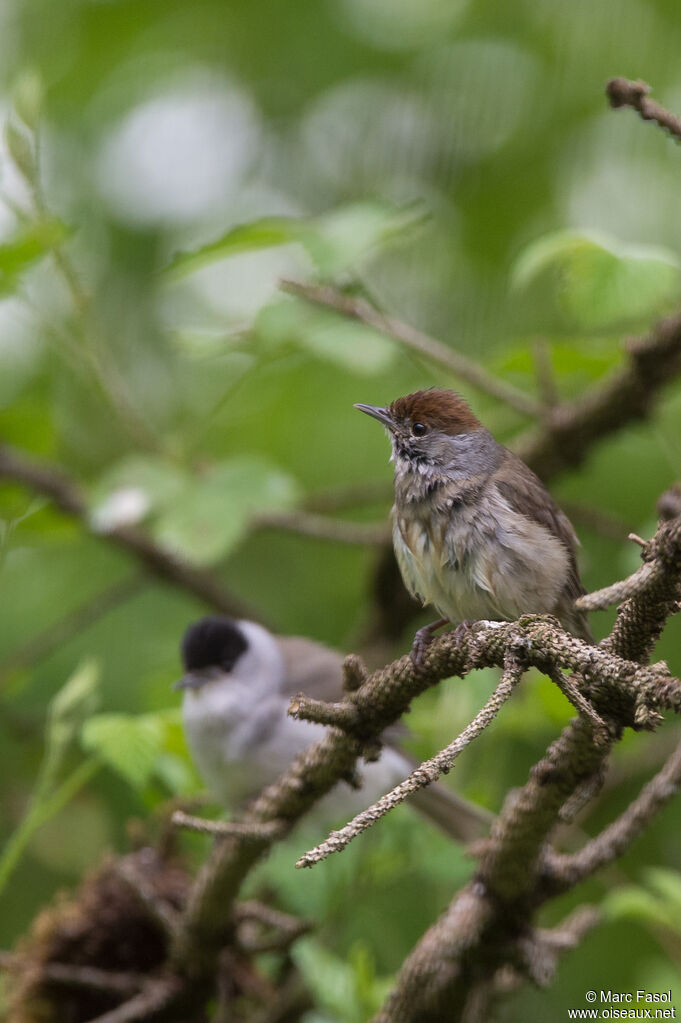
(437, 408)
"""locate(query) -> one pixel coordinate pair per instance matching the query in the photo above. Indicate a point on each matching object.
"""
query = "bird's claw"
(422, 640)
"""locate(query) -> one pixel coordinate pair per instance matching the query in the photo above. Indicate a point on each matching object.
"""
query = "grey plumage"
(475, 532)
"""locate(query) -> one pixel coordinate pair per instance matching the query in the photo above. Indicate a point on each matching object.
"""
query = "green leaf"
(155, 482)
(342, 239)
(667, 885)
(70, 708)
(27, 247)
(28, 97)
(129, 744)
(637, 904)
(257, 234)
(587, 281)
(212, 516)
(336, 241)
(350, 990)
(326, 335)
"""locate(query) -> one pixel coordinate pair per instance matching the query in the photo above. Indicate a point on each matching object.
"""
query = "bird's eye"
(418, 429)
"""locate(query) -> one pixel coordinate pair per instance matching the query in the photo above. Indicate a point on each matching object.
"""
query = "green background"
(417, 153)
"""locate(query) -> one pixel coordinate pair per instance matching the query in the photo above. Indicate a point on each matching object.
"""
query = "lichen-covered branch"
(426, 773)
(473, 940)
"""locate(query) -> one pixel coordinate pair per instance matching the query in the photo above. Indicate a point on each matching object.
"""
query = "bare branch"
(568, 870)
(641, 618)
(138, 881)
(157, 994)
(339, 715)
(599, 600)
(444, 356)
(321, 527)
(245, 830)
(72, 623)
(543, 370)
(284, 928)
(622, 92)
(562, 439)
(570, 689)
(71, 975)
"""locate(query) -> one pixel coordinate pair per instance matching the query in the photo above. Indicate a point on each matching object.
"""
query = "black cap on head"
(213, 642)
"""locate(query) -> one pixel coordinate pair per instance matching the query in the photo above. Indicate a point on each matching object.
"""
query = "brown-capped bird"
(476, 533)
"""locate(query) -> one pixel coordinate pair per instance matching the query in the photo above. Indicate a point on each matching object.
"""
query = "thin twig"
(341, 715)
(354, 495)
(70, 625)
(285, 928)
(445, 357)
(570, 690)
(158, 911)
(603, 523)
(562, 439)
(568, 870)
(154, 996)
(599, 600)
(254, 830)
(622, 92)
(71, 975)
(425, 773)
(54, 483)
(543, 370)
(322, 527)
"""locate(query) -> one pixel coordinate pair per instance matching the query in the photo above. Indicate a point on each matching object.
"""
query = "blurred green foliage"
(453, 161)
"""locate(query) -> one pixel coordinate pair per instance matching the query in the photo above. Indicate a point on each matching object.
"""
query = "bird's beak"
(382, 414)
(192, 680)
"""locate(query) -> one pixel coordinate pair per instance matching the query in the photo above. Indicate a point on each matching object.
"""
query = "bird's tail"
(456, 816)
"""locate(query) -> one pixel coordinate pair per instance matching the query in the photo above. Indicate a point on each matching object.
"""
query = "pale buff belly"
(482, 562)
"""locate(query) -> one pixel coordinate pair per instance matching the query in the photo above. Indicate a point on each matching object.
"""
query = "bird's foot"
(462, 629)
(422, 640)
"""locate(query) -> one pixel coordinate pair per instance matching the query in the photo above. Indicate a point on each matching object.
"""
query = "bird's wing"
(317, 671)
(311, 668)
(528, 496)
